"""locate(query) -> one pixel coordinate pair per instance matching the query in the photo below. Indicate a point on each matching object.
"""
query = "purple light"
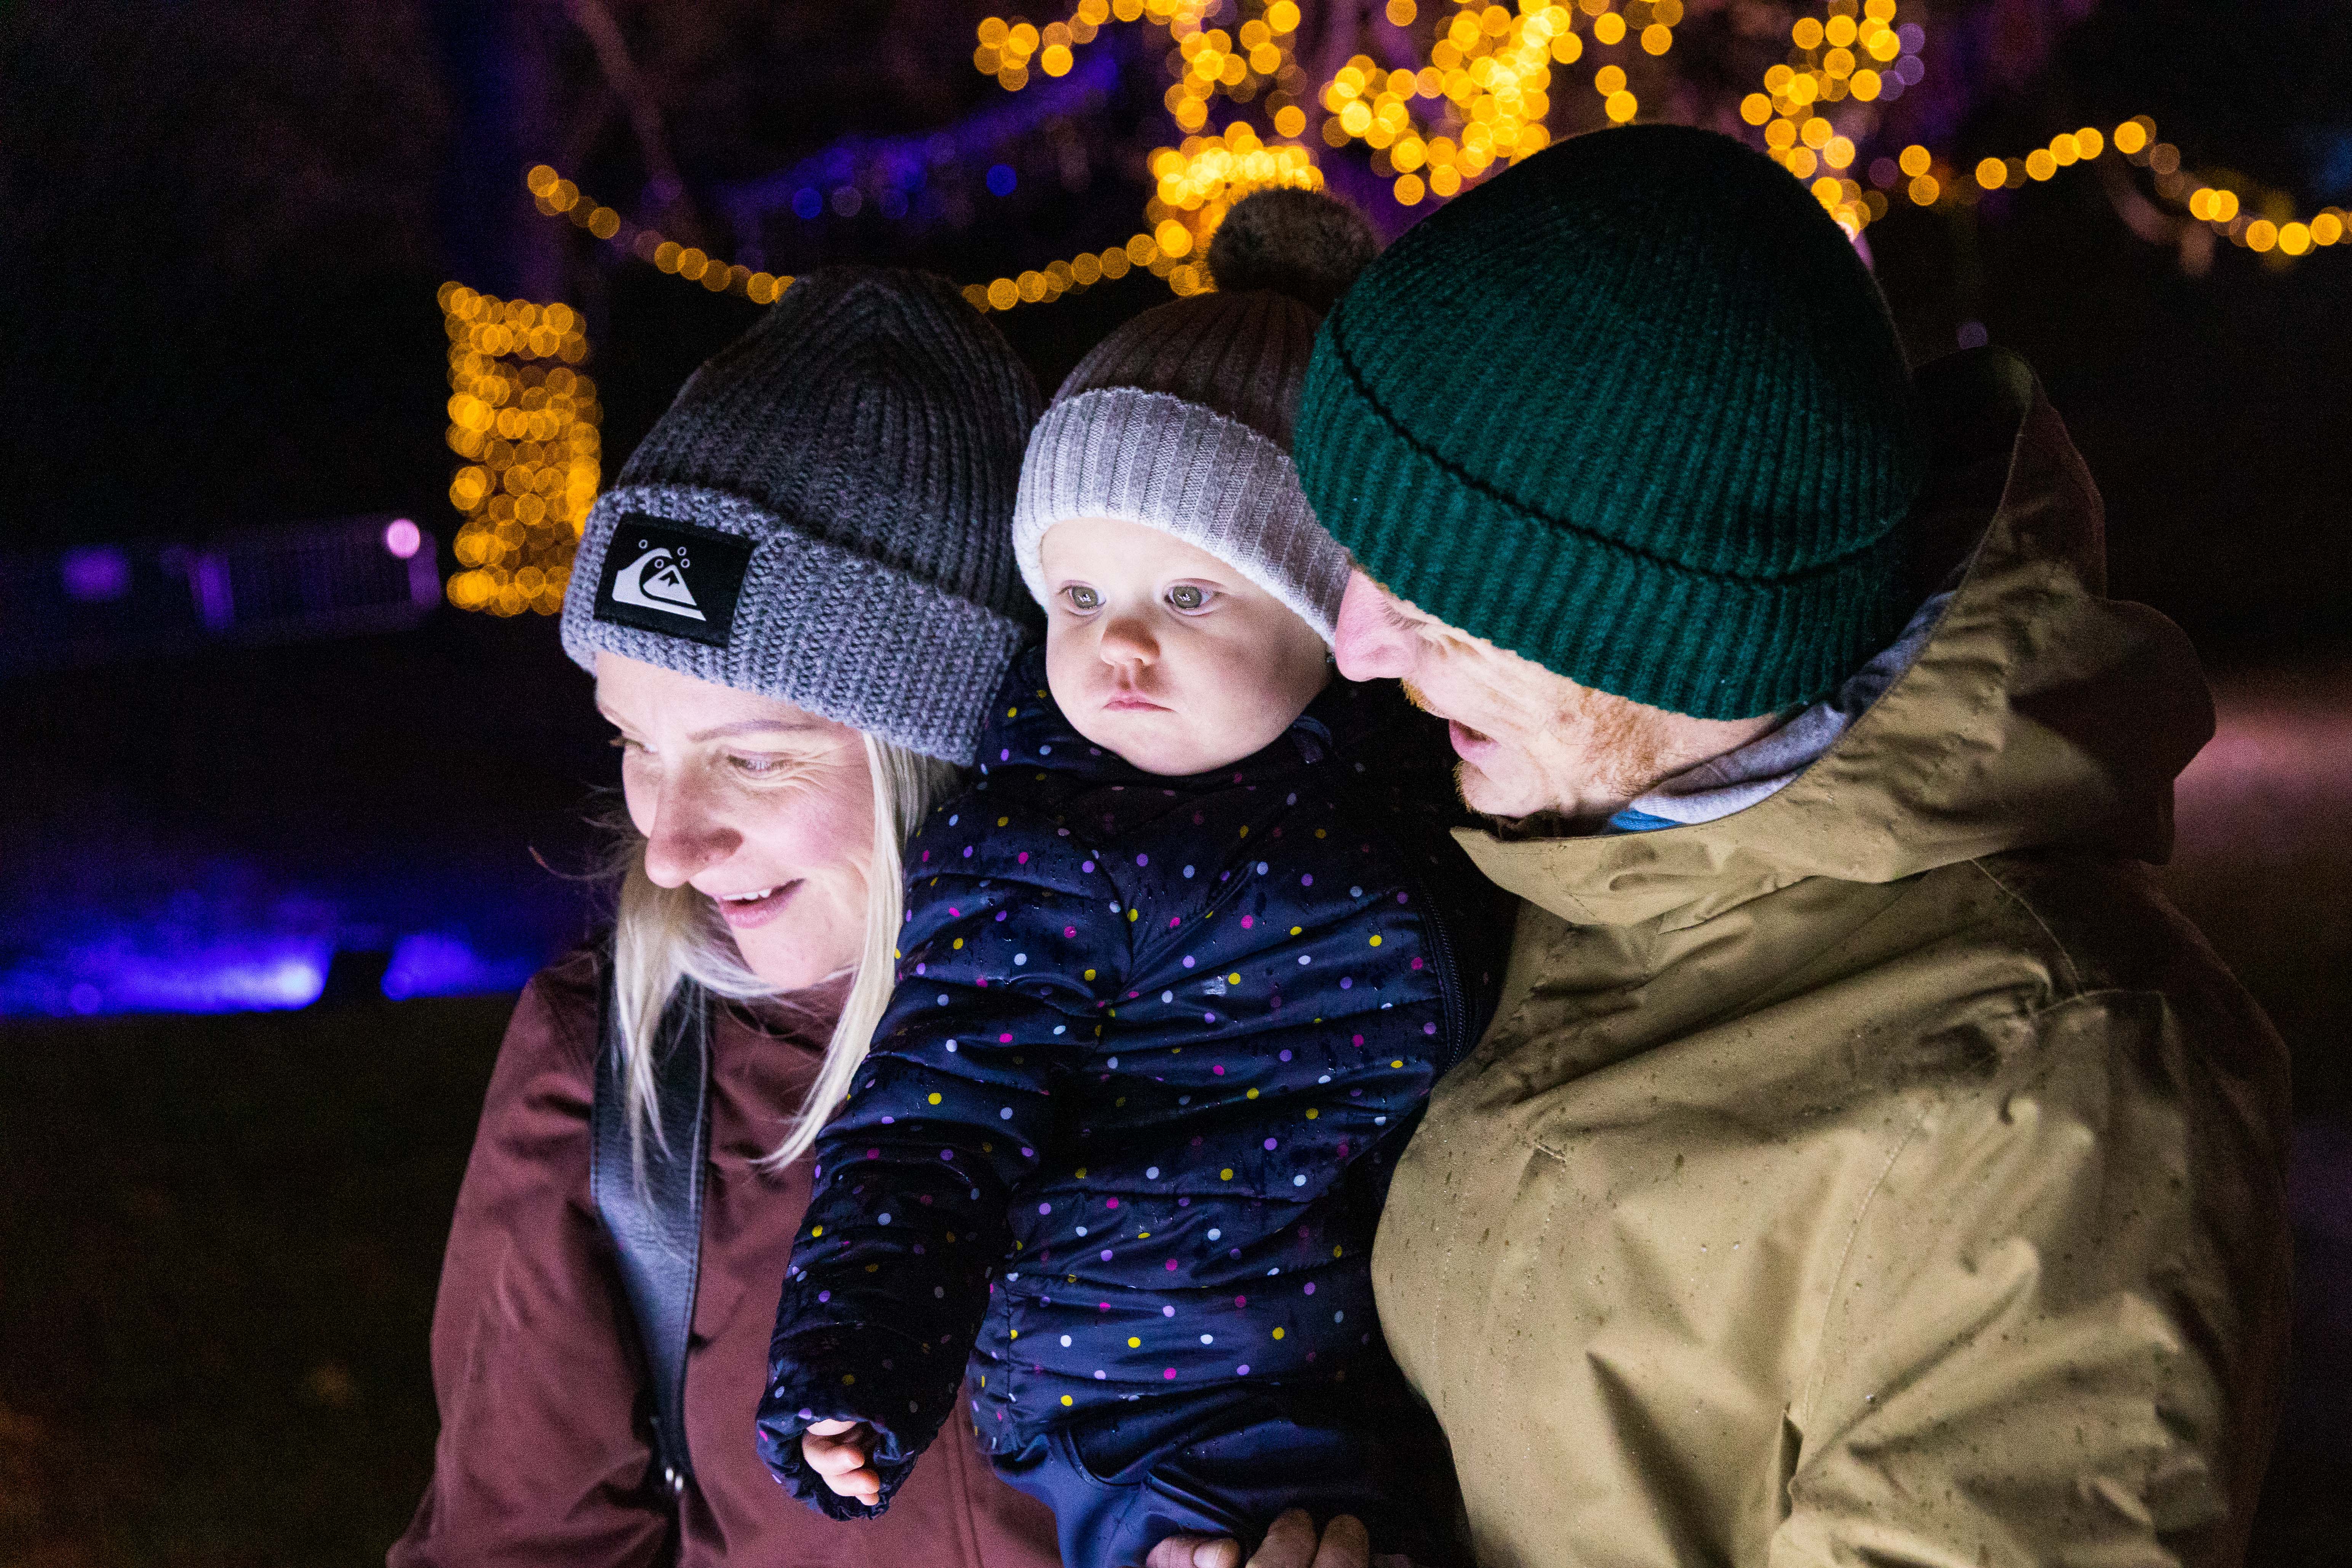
(402, 536)
(126, 976)
(95, 575)
(429, 964)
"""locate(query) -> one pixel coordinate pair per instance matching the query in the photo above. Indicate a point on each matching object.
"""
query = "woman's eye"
(1083, 598)
(621, 743)
(1188, 596)
(760, 767)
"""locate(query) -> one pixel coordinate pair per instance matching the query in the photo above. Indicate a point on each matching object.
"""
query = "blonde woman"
(794, 604)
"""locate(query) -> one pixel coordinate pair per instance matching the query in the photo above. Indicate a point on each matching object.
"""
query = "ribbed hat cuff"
(824, 628)
(1163, 462)
(1606, 615)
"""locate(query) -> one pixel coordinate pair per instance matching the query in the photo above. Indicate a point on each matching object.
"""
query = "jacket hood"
(2041, 714)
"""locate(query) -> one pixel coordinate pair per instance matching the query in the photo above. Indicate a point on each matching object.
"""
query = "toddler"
(1177, 975)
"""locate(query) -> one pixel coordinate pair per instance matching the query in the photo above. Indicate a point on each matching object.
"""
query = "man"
(1865, 1164)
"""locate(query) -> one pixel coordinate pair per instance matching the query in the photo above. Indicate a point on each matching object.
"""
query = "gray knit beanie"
(1180, 420)
(820, 516)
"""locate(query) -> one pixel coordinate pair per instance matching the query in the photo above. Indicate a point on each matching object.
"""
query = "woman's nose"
(1366, 643)
(688, 836)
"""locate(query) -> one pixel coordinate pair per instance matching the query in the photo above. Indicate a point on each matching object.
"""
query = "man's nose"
(1366, 643)
(690, 834)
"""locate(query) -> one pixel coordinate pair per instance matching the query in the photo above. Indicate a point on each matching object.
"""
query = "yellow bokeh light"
(1622, 107)
(2294, 238)
(1657, 38)
(1609, 79)
(1924, 189)
(1807, 33)
(1608, 28)
(1756, 109)
(2261, 234)
(2130, 137)
(1914, 160)
(2327, 229)
(1409, 190)
(2040, 165)
(1992, 174)
(2088, 142)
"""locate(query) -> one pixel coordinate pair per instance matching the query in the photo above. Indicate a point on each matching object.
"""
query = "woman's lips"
(744, 914)
(1468, 745)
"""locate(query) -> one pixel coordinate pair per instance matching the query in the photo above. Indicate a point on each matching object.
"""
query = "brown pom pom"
(1308, 245)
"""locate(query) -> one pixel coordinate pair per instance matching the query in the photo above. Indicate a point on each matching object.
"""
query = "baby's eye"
(1082, 598)
(1189, 596)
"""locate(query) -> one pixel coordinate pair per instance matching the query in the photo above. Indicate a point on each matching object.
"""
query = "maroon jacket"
(536, 1367)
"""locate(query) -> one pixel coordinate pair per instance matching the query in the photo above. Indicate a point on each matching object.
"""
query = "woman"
(795, 604)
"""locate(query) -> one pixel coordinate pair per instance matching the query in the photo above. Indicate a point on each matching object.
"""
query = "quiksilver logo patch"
(672, 578)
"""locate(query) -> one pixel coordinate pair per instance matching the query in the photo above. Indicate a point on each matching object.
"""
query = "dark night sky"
(226, 220)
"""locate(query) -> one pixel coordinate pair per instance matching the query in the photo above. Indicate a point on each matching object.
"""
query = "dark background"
(222, 225)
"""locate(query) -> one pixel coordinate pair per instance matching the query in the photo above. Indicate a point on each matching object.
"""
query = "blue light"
(117, 978)
(807, 203)
(1002, 179)
(431, 963)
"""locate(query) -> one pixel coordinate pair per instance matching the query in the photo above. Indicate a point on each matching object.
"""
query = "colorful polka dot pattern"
(1126, 1128)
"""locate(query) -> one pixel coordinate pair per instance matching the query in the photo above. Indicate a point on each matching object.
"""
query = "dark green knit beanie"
(1633, 409)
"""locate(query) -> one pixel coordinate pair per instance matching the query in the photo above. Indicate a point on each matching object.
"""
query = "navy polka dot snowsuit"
(1124, 1131)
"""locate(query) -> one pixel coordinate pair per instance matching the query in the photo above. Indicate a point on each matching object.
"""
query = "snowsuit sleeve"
(1001, 979)
(540, 1461)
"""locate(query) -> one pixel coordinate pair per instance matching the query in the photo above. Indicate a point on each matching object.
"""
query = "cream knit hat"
(1180, 420)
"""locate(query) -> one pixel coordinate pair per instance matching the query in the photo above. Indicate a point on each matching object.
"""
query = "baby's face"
(1164, 654)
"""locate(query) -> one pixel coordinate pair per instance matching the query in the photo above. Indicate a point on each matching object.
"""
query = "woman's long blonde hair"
(665, 935)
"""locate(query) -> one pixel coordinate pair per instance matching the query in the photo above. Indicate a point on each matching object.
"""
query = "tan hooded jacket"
(1884, 1174)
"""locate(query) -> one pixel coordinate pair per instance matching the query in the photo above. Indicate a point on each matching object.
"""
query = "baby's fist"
(843, 1452)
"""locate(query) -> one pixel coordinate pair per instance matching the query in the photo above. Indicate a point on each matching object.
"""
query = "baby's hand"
(842, 1452)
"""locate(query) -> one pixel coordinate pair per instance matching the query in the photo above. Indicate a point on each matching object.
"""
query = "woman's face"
(766, 810)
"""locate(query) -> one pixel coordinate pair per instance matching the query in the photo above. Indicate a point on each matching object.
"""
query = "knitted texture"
(857, 451)
(1182, 419)
(1668, 450)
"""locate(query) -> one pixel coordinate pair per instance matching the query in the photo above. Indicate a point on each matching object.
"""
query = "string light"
(1856, 53)
(1480, 101)
(526, 423)
(2261, 220)
(557, 197)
